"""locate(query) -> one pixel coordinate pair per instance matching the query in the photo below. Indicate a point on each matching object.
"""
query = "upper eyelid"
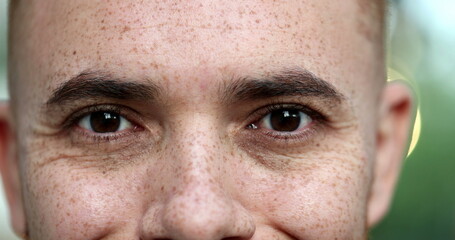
(261, 112)
(131, 114)
(77, 115)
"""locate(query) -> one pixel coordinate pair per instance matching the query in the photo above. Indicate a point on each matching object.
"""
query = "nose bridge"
(199, 207)
(198, 165)
(196, 148)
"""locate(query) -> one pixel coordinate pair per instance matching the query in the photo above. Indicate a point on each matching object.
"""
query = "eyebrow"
(99, 85)
(297, 82)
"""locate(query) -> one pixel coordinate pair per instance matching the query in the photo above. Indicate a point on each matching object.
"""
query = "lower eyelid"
(79, 134)
(270, 143)
(270, 139)
(305, 130)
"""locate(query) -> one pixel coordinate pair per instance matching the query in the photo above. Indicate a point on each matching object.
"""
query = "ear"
(392, 142)
(9, 169)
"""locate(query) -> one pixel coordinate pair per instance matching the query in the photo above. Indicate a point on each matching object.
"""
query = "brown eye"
(104, 122)
(285, 120)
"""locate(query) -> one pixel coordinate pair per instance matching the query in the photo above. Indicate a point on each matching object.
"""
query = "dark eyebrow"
(100, 85)
(286, 83)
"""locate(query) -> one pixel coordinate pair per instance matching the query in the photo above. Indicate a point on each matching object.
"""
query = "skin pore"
(191, 93)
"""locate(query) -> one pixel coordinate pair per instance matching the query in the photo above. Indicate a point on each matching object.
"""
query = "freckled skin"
(195, 172)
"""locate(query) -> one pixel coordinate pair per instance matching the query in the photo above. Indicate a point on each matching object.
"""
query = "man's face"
(195, 119)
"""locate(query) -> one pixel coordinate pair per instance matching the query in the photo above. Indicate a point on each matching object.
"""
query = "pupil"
(104, 122)
(286, 120)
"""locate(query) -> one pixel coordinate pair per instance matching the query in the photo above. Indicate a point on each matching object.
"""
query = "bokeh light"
(393, 75)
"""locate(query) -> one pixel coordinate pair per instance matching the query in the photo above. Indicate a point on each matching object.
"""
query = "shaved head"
(370, 14)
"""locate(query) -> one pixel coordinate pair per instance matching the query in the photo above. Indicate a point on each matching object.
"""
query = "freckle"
(126, 29)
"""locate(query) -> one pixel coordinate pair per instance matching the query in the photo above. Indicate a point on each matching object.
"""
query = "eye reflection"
(104, 122)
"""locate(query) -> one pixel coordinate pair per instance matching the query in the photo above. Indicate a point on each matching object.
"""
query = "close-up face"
(200, 120)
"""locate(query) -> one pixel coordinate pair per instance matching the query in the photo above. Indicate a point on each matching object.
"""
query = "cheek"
(68, 203)
(316, 201)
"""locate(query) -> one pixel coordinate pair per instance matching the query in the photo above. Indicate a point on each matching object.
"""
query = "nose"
(202, 211)
(198, 206)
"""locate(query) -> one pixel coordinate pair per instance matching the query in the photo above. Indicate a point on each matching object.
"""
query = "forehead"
(195, 39)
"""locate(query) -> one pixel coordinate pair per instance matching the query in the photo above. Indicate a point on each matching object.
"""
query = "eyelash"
(318, 121)
(72, 123)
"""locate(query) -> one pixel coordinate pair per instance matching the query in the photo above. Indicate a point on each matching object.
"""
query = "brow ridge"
(100, 85)
(286, 83)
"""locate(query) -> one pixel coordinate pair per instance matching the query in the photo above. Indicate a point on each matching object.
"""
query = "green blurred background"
(422, 50)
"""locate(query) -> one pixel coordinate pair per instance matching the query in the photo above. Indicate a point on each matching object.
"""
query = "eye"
(104, 122)
(284, 120)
